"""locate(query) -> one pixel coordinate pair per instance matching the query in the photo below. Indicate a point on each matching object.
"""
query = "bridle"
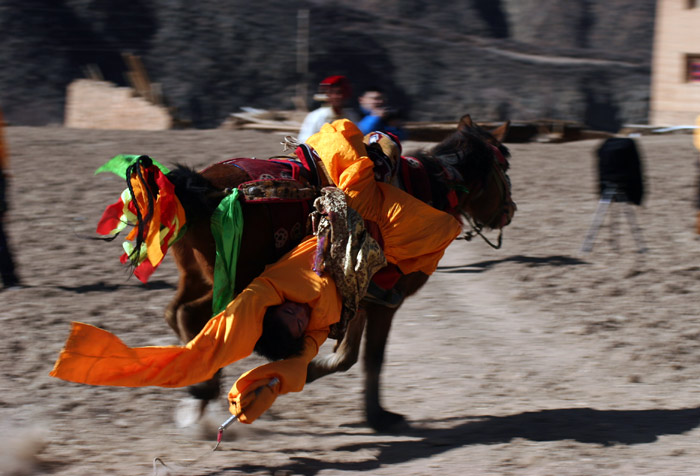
(476, 230)
(469, 194)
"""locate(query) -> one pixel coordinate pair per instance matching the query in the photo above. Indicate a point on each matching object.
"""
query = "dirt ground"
(535, 359)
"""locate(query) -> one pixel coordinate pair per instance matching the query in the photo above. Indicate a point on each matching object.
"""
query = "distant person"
(334, 92)
(377, 116)
(7, 266)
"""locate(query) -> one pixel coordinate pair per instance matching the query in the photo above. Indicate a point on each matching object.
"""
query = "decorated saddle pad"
(276, 190)
(286, 187)
(414, 179)
(420, 179)
(281, 168)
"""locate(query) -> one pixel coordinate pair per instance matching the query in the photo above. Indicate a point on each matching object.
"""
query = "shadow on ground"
(530, 261)
(585, 425)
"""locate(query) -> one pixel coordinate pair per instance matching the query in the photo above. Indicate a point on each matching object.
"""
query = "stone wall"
(523, 60)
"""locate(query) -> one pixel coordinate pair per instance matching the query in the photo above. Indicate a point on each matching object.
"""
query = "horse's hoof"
(383, 421)
(189, 411)
(311, 376)
(207, 390)
(314, 372)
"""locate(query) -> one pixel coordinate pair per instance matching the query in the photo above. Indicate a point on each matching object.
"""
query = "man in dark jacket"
(7, 266)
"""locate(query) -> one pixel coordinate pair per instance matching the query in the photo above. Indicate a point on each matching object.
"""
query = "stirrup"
(391, 298)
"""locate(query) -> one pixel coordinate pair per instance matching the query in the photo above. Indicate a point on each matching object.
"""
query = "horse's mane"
(197, 195)
(468, 150)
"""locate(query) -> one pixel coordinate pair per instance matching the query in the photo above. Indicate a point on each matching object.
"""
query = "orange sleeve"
(415, 234)
(290, 372)
(97, 357)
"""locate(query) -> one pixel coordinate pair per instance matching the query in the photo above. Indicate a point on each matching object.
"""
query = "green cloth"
(119, 163)
(227, 228)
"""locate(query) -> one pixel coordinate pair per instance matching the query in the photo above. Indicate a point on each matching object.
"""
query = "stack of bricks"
(92, 104)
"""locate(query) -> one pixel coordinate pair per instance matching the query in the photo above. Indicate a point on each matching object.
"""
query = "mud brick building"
(675, 78)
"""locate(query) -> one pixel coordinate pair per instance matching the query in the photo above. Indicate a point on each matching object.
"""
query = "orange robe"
(415, 234)
(96, 357)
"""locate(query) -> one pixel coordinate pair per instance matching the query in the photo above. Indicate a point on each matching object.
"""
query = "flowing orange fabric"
(415, 234)
(97, 357)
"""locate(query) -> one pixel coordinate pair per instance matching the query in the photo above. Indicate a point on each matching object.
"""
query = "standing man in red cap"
(334, 92)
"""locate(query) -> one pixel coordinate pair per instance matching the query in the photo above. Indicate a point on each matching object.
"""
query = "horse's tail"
(140, 171)
(197, 195)
(159, 205)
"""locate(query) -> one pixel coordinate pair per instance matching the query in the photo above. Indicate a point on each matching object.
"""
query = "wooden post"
(302, 59)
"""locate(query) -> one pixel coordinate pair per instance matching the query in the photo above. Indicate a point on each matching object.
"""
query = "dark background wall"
(587, 60)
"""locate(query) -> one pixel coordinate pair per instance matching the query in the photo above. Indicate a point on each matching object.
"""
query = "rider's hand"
(254, 400)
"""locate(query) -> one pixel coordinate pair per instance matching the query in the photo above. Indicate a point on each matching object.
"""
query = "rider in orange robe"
(415, 237)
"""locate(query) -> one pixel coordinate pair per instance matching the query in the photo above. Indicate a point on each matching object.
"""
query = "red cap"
(340, 81)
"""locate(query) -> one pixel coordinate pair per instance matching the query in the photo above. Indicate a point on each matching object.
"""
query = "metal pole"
(636, 231)
(302, 58)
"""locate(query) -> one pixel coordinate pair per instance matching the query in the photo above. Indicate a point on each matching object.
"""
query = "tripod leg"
(600, 212)
(636, 231)
(614, 236)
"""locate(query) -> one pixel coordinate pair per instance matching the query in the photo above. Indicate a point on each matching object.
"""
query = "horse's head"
(484, 191)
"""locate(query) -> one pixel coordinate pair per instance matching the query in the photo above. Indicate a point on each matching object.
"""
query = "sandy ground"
(534, 359)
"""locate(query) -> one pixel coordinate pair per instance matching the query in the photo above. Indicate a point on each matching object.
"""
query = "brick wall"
(94, 104)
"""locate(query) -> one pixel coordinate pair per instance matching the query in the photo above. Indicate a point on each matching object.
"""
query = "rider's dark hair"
(276, 342)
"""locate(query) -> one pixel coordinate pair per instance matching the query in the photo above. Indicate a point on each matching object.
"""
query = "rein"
(476, 230)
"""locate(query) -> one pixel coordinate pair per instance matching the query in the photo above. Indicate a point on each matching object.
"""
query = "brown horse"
(468, 178)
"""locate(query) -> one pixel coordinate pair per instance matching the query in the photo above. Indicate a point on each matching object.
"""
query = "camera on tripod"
(620, 171)
(619, 180)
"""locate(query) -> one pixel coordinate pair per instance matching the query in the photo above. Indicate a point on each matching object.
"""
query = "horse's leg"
(191, 318)
(345, 353)
(190, 308)
(193, 315)
(378, 326)
(191, 286)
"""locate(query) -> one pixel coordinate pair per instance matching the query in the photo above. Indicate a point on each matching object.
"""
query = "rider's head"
(283, 330)
(384, 148)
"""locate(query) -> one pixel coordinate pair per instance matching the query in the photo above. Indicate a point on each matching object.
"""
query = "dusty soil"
(535, 359)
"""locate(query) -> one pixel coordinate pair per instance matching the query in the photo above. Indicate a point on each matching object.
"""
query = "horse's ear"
(465, 122)
(501, 131)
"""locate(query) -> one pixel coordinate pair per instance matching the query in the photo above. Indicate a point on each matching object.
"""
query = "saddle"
(289, 184)
(283, 178)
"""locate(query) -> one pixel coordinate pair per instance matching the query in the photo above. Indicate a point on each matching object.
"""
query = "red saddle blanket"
(285, 187)
(290, 214)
